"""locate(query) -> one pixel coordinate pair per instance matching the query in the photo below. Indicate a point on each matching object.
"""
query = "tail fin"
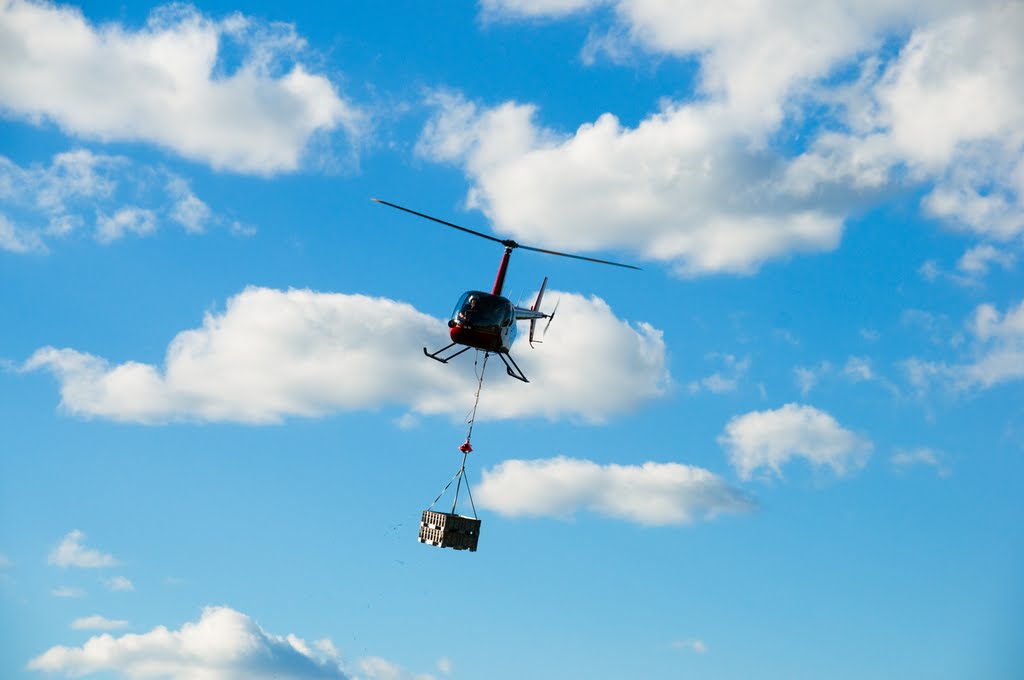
(536, 308)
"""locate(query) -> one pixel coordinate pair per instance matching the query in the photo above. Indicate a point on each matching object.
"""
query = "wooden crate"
(447, 530)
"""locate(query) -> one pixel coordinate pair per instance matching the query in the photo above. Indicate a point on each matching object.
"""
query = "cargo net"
(449, 529)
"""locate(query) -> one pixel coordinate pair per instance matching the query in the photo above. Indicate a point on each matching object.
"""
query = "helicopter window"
(479, 309)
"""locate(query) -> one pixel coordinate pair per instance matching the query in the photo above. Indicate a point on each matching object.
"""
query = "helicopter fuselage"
(484, 321)
(487, 321)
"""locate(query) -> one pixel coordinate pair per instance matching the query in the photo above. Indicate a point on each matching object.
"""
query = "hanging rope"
(479, 368)
(471, 418)
(458, 476)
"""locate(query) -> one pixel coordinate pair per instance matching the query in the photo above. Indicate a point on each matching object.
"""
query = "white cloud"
(273, 354)
(67, 592)
(681, 187)
(71, 552)
(126, 220)
(994, 353)
(977, 260)
(222, 645)
(112, 196)
(904, 459)
(5, 562)
(770, 439)
(188, 211)
(858, 369)
(651, 493)
(752, 54)
(165, 83)
(948, 110)
(972, 266)
(721, 382)
(808, 376)
(700, 185)
(120, 584)
(97, 622)
(15, 240)
(534, 8)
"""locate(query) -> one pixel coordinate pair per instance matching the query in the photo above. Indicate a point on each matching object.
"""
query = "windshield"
(479, 309)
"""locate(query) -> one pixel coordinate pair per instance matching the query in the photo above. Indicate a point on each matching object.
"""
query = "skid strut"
(436, 356)
(510, 363)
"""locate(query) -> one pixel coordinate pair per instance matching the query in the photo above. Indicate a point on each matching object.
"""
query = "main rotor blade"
(447, 224)
(579, 257)
(508, 243)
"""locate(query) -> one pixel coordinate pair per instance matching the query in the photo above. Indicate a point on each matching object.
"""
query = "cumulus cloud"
(168, 83)
(753, 54)
(97, 622)
(272, 354)
(71, 552)
(994, 353)
(681, 187)
(725, 182)
(222, 645)
(651, 493)
(109, 196)
(948, 111)
(769, 439)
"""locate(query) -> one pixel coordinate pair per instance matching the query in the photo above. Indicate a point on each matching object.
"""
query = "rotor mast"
(499, 281)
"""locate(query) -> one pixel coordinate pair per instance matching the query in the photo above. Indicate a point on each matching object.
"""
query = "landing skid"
(436, 356)
(511, 367)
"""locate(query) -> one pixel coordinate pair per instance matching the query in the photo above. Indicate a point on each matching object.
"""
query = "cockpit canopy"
(477, 309)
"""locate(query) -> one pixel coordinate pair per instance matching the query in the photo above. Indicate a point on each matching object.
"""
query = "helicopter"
(487, 321)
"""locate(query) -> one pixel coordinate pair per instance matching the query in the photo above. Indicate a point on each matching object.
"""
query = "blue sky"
(790, 447)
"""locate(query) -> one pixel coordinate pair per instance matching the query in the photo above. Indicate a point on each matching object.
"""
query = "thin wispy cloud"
(107, 197)
(725, 380)
(97, 622)
(903, 460)
(120, 584)
(993, 354)
(691, 645)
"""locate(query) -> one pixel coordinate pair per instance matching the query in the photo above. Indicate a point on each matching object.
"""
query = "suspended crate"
(448, 530)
